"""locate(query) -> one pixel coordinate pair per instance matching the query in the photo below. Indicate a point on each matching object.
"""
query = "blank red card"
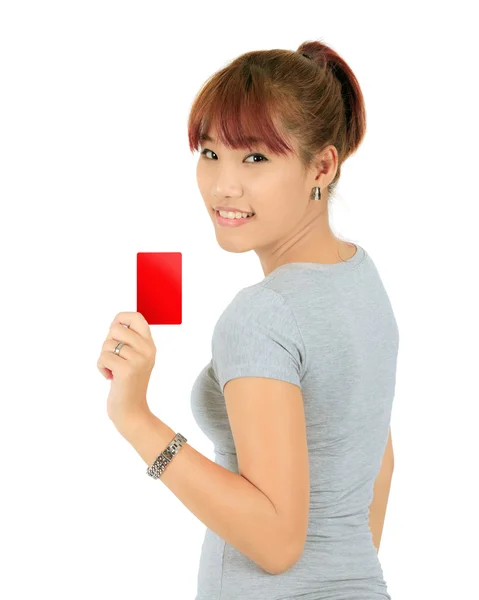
(159, 287)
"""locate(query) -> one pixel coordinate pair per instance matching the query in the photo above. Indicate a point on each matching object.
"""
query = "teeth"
(234, 215)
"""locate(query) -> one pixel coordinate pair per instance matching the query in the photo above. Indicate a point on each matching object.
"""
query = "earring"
(316, 193)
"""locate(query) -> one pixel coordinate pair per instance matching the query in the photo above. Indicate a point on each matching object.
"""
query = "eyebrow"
(204, 137)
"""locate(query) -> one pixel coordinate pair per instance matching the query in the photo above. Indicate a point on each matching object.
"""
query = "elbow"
(286, 544)
(294, 542)
(287, 564)
(291, 554)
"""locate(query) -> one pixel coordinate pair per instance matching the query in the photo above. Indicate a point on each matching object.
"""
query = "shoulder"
(257, 332)
(256, 302)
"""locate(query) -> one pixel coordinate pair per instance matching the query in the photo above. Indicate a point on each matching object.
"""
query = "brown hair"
(316, 100)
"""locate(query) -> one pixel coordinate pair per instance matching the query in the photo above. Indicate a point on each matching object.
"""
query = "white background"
(95, 167)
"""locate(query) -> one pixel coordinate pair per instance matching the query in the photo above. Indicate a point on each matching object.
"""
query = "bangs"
(243, 111)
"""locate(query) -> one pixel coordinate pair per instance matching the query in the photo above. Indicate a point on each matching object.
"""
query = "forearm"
(224, 501)
(377, 510)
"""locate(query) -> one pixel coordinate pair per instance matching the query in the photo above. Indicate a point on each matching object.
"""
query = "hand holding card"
(128, 353)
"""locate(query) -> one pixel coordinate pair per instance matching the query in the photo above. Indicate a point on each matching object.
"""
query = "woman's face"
(272, 187)
(287, 224)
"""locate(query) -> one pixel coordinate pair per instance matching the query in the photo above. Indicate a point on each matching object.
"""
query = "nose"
(227, 198)
(226, 186)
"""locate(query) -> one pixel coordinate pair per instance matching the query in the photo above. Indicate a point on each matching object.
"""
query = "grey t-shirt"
(330, 329)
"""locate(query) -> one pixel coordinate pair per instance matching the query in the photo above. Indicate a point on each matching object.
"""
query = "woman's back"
(336, 323)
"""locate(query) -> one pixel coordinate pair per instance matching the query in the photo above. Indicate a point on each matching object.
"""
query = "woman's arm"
(382, 485)
(224, 501)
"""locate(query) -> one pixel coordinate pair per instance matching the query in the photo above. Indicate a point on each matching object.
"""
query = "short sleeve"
(257, 336)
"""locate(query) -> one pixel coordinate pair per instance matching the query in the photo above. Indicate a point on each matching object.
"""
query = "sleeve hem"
(269, 371)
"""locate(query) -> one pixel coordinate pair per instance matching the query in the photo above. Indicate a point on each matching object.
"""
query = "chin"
(230, 246)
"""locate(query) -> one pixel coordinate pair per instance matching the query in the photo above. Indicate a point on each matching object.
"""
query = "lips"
(225, 222)
(231, 209)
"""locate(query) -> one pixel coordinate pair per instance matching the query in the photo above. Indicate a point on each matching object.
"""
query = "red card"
(159, 287)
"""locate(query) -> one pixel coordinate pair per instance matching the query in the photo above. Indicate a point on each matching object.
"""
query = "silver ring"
(118, 347)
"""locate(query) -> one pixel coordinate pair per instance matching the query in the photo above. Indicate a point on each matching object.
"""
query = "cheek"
(200, 170)
(204, 187)
(278, 198)
(282, 211)
(199, 175)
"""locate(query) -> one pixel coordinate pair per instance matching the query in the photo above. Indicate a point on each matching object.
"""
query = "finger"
(109, 361)
(121, 333)
(125, 352)
(135, 321)
(106, 365)
(107, 373)
(132, 338)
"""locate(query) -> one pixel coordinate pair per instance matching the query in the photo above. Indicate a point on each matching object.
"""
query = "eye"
(206, 150)
(257, 154)
(264, 159)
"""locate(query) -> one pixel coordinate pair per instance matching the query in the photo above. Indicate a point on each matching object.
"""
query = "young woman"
(298, 395)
